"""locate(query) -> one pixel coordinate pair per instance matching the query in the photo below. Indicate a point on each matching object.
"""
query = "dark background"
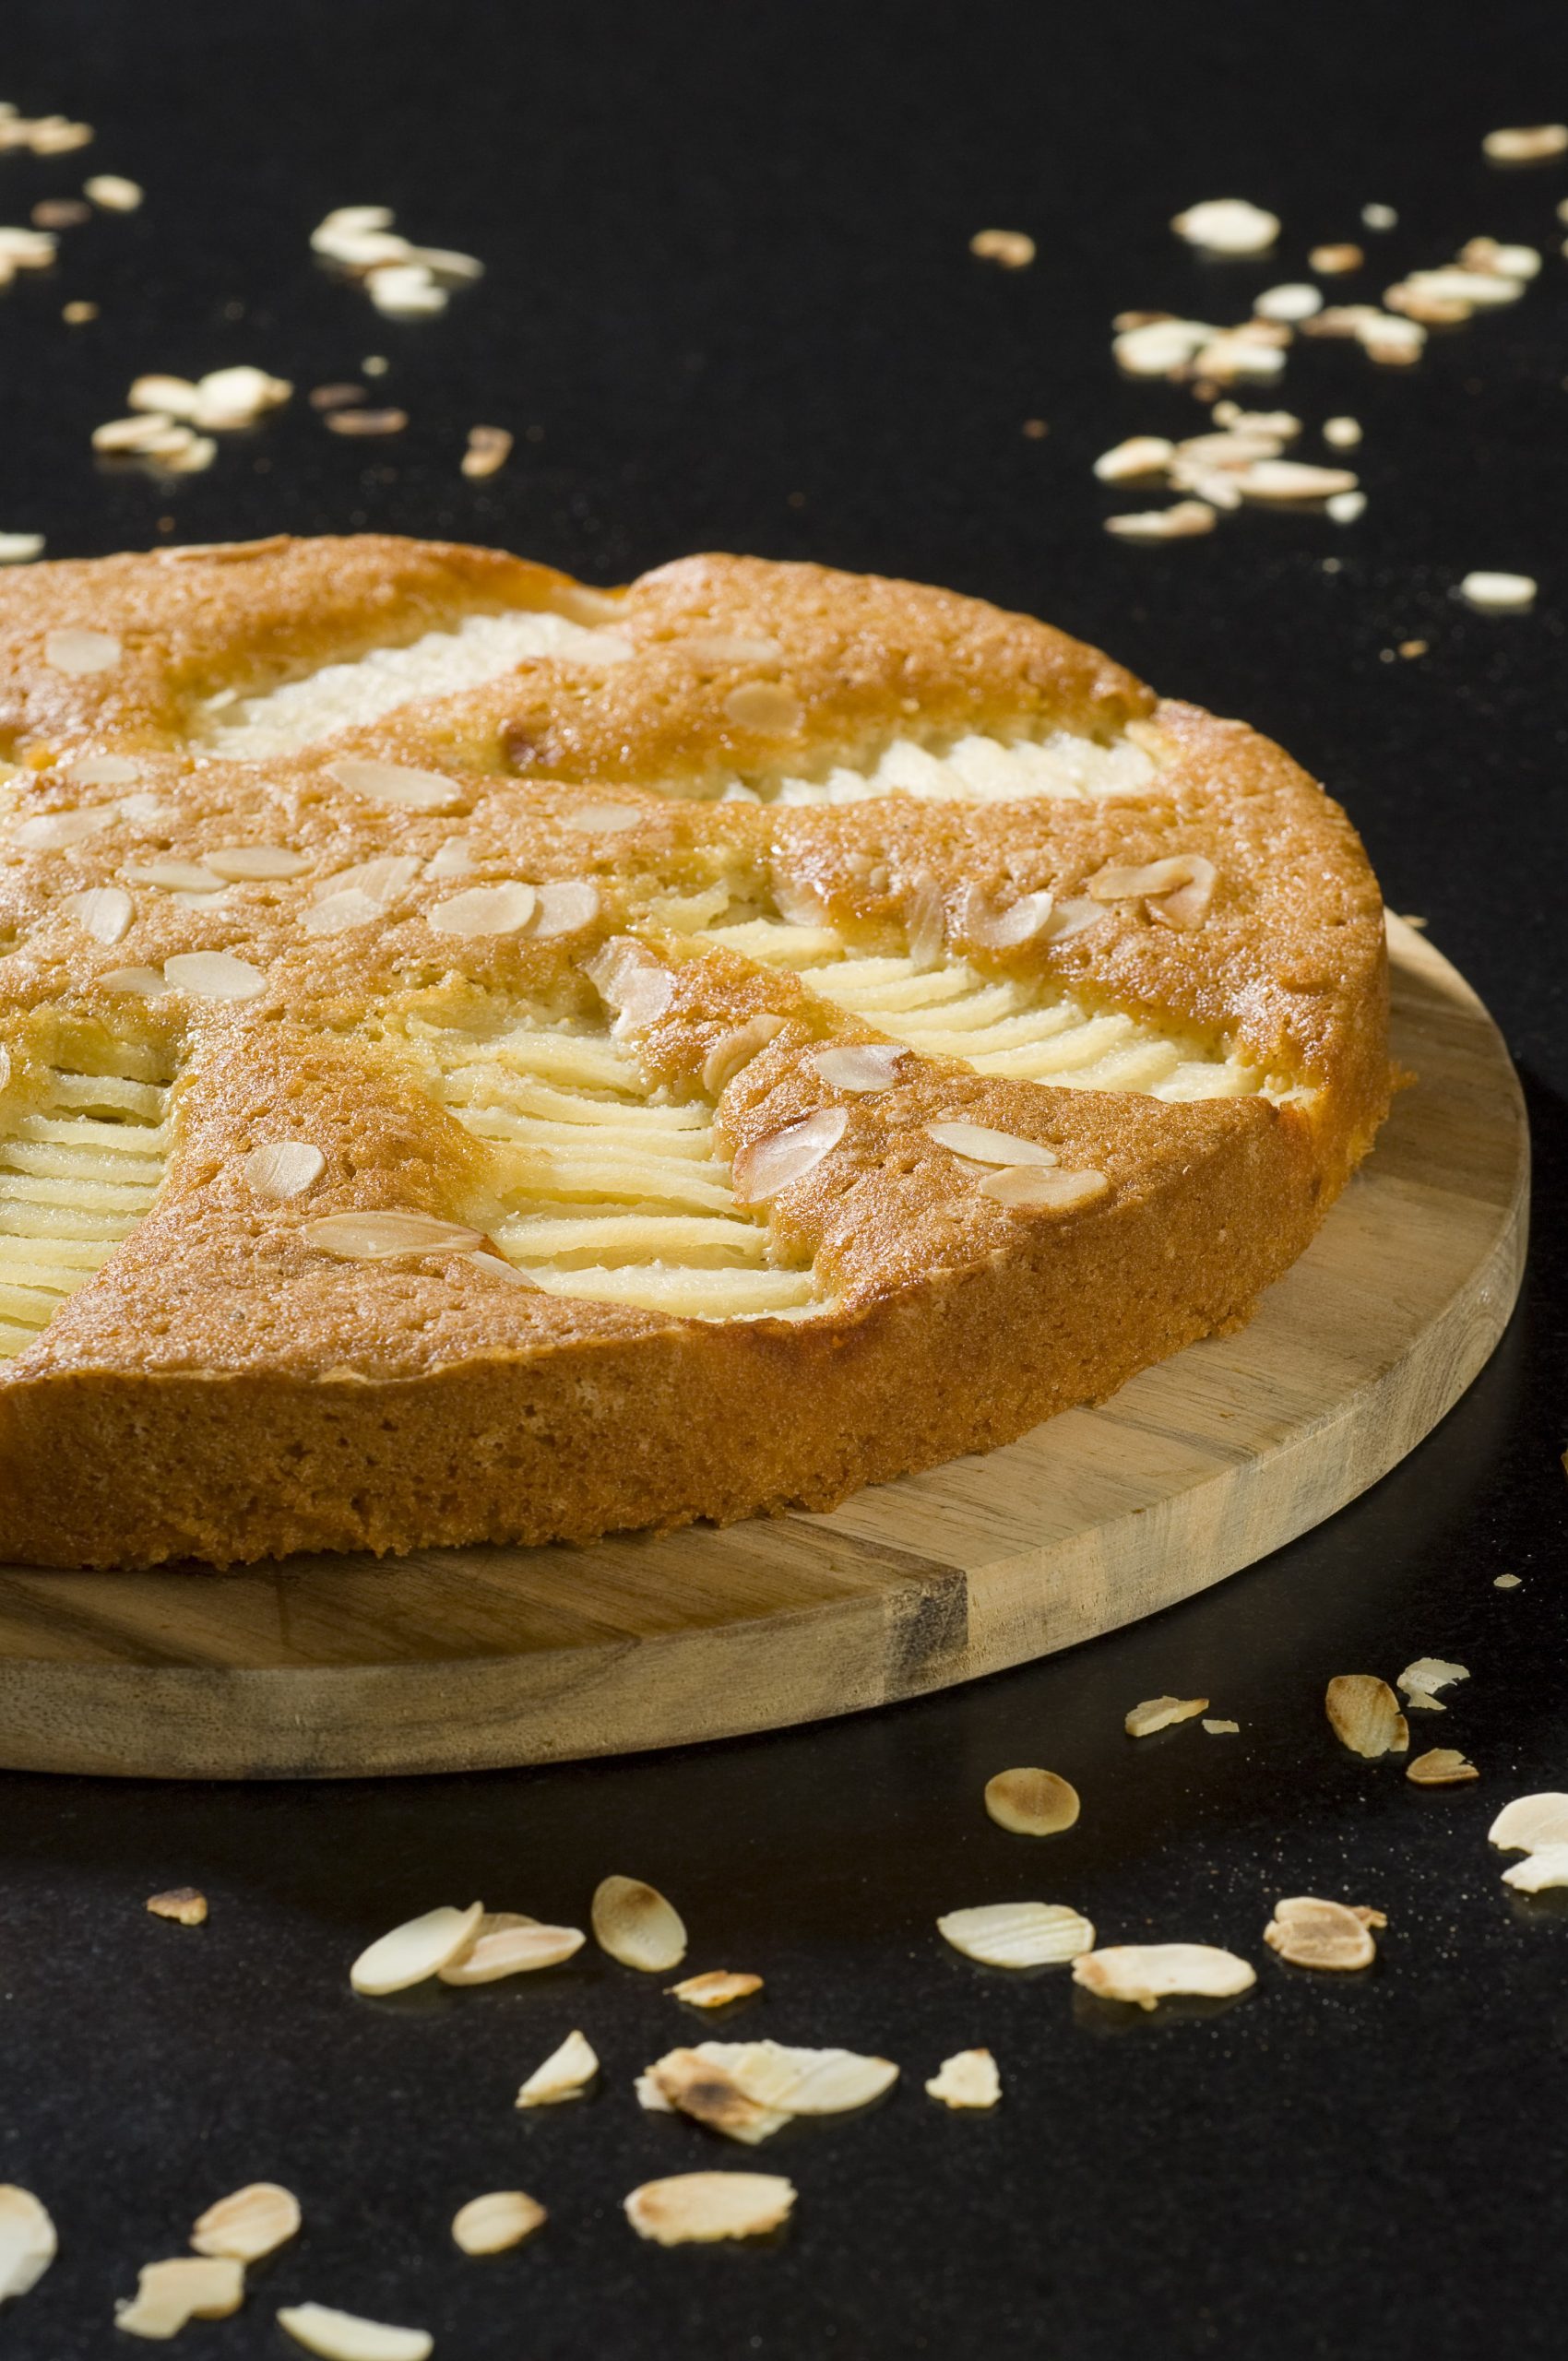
(729, 299)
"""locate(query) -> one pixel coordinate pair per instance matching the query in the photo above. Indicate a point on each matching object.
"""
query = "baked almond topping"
(104, 911)
(27, 2241)
(1031, 1803)
(1018, 1934)
(239, 863)
(1146, 1973)
(1363, 1714)
(344, 2336)
(1032, 1188)
(564, 906)
(697, 2208)
(1440, 1766)
(253, 2222)
(737, 1048)
(862, 1066)
(565, 2074)
(968, 2080)
(415, 791)
(283, 1168)
(214, 975)
(764, 705)
(486, 909)
(766, 1167)
(184, 1903)
(984, 1146)
(49, 831)
(176, 877)
(372, 1236)
(416, 1950)
(188, 2287)
(81, 653)
(1310, 1933)
(1003, 928)
(1159, 1713)
(500, 2219)
(636, 1925)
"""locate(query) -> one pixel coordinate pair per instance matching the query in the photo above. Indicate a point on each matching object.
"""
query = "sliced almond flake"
(1311, 1933)
(1002, 928)
(238, 863)
(1532, 144)
(1440, 1766)
(925, 919)
(984, 1146)
(1146, 1973)
(344, 2336)
(969, 2079)
(415, 1950)
(1334, 261)
(455, 859)
(1511, 262)
(764, 705)
(692, 2083)
(500, 2219)
(485, 910)
(103, 770)
(1363, 1714)
(189, 2287)
(385, 879)
(104, 911)
(1530, 1824)
(1141, 455)
(804, 2081)
(48, 831)
(337, 913)
(1428, 1675)
(415, 791)
(176, 396)
(1018, 1934)
(1157, 347)
(565, 905)
(1296, 300)
(714, 1990)
(175, 877)
(496, 1267)
(697, 2208)
(565, 2074)
(20, 549)
(1293, 480)
(253, 2222)
(371, 1237)
(1217, 1728)
(507, 1944)
(370, 422)
(651, 2096)
(770, 1165)
(726, 647)
(737, 1048)
(636, 1925)
(146, 982)
(1031, 1803)
(1013, 249)
(489, 450)
(283, 1168)
(1505, 1582)
(80, 653)
(1175, 524)
(185, 1905)
(1499, 594)
(1119, 882)
(860, 1066)
(1546, 1867)
(112, 192)
(631, 982)
(28, 2242)
(1159, 1713)
(1228, 225)
(1344, 507)
(1030, 1187)
(609, 818)
(214, 975)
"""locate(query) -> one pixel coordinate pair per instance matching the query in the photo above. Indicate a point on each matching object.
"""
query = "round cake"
(490, 1060)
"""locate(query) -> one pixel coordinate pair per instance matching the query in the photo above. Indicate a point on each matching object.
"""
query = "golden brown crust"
(223, 1390)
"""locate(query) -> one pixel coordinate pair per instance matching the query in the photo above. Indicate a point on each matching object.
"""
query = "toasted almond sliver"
(283, 1168)
(1031, 1803)
(994, 928)
(1440, 1766)
(489, 450)
(486, 909)
(416, 790)
(764, 705)
(803, 2082)
(695, 2083)
(1364, 1715)
(369, 1236)
(1530, 1824)
(1217, 1728)
(344, 2336)
(564, 906)
(1546, 1867)
(634, 1924)
(214, 975)
(1180, 522)
(860, 1066)
(237, 862)
(508, 1945)
(1018, 1934)
(969, 2079)
(80, 653)
(335, 913)
(1159, 1712)
(565, 2074)
(252, 2221)
(1228, 225)
(414, 1953)
(1428, 1675)
(1120, 883)
(185, 1905)
(104, 911)
(1013, 249)
(984, 1146)
(1310, 1933)
(1140, 455)
(502, 2218)
(651, 2096)
(49, 831)
(176, 876)
(696, 2208)
(1032, 1186)
(737, 1048)
(715, 1988)
(768, 1166)
(27, 2241)
(188, 2287)
(631, 982)
(1146, 1973)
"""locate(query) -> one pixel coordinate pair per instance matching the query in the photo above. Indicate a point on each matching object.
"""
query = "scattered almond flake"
(1530, 1824)
(1119, 883)
(1499, 594)
(766, 1167)
(714, 1990)
(413, 1952)
(727, 648)
(696, 2208)
(737, 1048)
(20, 548)
(634, 1924)
(1310, 1933)
(1160, 347)
(1429, 1674)
(805, 2081)
(1533, 144)
(1034, 1187)
(496, 1267)
(253, 2222)
(184, 1903)
(1344, 507)
(1293, 480)
(1141, 455)
(190, 2287)
(925, 921)
(346, 223)
(344, 2336)
(984, 1146)
(1146, 1973)
(335, 913)
(176, 876)
(969, 2079)
(484, 910)
(1003, 928)
(505, 1942)
(48, 831)
(1255, 350)
(764, 705)
(651, 2096)
(1018, 1934)
(104, 911)
(1392, 343)
(1509, 262)
(365, 421)
(1440, 1766)
(77, 313)
(60, 213)
(1175, 524)
(395, 783)
(1505, 1582)
(489, 450)
(565, 2074)
(1363, 1714)
(1546, 1867)
(1379, 217)
(500, 2219)
(375, 364)
(80, 653)
(1344, 433)
(1013, 249)
(455, 859)
(27, 249)
(52, 134)
(337, 397)
(1482, 289)
(1294, 300)
(214, 975)
(147, 434)
(1159, 1713)
(860, 1066)
(145, 982)
(239, 863)
(28, 2242)
(594, 816)
(695, 2083)
(1330, 262)
(170, 396)
(189, 455)
(404, 290)
(446, 264)
(1228, 225)
(112, 193)
(1031, 1803)
(371, 1237)
(283, 1168)
(1217, 1728)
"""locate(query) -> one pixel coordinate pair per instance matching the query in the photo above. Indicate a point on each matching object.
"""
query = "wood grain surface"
(475, 1659)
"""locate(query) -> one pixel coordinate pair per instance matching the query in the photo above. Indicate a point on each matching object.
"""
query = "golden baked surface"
(490, 1060)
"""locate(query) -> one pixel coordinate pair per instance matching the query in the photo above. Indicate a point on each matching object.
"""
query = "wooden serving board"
(474, 1658)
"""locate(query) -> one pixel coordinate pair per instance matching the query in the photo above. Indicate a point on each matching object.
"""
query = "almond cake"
(489, 1060)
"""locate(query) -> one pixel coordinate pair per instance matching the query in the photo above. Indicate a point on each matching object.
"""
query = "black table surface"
(730, 303)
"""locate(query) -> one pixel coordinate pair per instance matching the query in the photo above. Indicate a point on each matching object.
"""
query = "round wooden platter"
(476, 1658)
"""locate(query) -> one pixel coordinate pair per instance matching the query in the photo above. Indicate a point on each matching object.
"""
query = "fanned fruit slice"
(494, 1059)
